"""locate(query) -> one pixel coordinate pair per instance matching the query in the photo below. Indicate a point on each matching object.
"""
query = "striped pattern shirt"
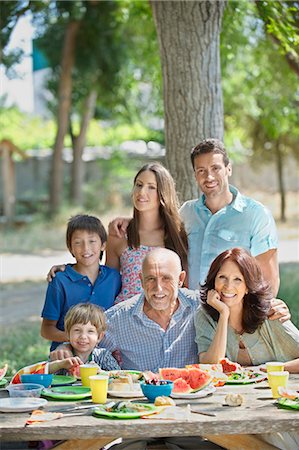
(143, 344)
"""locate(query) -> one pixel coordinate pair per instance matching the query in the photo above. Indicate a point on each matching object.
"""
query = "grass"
(23, 345)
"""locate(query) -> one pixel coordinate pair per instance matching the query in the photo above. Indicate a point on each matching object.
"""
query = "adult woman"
(155, 223)
(233, 320)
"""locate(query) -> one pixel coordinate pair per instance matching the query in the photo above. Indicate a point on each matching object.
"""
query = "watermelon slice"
(195, 378)
(172, 374)
(199, 379)
(3, 371)
(75, 371)
(180, 386)
(229, 366)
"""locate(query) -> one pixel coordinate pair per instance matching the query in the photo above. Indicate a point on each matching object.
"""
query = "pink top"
(130, 268)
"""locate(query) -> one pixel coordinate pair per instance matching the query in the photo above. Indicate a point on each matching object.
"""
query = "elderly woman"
(234, 322)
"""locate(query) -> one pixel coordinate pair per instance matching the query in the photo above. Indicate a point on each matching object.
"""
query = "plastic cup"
(277, 379)
(86, 370)
(99, 388)
(274, 366)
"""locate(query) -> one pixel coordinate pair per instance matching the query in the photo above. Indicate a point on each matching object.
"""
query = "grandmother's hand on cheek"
(279, 310)
(213, 299)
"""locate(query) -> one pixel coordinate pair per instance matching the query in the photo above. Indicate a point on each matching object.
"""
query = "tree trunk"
(9, 182)
(279, 165)
(64, 105)
(78, 147)
(188, 34)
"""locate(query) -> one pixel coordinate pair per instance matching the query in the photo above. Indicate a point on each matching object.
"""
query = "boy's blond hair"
(83, 313)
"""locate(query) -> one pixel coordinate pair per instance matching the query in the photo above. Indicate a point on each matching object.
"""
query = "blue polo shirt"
(69, 288)
(243, 223)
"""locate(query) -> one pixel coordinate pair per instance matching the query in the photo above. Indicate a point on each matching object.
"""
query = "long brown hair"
(256, 303)
(175, 237)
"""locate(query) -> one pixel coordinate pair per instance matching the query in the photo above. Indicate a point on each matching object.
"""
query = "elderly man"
(154, 329)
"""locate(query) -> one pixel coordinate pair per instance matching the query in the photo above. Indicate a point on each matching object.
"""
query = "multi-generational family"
(179, 285)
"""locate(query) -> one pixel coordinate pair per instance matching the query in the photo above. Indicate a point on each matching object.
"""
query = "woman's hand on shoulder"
(53, 270)
(213, 299)
(279, 310)
(118, 227)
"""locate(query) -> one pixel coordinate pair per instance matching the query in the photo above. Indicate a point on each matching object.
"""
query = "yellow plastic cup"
(277, 379)
(99, 388)
(274, 366)
(86, 370)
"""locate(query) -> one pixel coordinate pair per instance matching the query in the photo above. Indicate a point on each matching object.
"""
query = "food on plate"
(162, 400)
(123, 381)
(288, 393)
(186, 380)
(234, 399)
(207, 367)
(180, 386)
(3, 371)
(229, 366)
(124, 407)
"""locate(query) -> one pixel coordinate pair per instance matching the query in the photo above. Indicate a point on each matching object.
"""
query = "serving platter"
(199, 394)
(126, 394)
(18, 404)
(246, 378)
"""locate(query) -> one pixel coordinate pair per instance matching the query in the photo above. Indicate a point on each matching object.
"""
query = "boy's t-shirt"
(69, 288)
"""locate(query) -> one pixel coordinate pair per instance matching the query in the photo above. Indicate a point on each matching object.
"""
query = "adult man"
(222, 218)
(154, 329)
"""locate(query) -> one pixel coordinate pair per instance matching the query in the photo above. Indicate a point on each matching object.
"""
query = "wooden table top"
(257, 415)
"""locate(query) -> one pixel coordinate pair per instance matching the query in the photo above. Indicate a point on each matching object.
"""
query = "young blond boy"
(85, 325)
(85, 281)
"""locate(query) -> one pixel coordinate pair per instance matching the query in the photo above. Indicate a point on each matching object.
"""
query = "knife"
(204, 413)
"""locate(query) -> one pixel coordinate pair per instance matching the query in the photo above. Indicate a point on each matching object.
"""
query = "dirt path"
(21, 301)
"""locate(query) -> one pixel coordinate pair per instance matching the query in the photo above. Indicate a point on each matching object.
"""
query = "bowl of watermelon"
(155, 388)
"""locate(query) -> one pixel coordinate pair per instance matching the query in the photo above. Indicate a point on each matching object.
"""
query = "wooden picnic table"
(232, 427)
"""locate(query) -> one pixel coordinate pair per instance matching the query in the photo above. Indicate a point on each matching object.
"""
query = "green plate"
(3, 382)
(63, 380)
(67, 393)
(148, 409)
(287, 403)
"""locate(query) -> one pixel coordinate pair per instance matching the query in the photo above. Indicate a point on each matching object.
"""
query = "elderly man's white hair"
(161, 254)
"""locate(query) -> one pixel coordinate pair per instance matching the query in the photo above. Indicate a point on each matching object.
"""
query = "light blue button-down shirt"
(143, 344)
(243, 223)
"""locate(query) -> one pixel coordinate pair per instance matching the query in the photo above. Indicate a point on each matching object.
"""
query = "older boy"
(85, 281)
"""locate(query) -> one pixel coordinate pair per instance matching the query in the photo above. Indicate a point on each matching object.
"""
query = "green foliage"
(260, 91)
(289, 288)
(24, 130)
(22, 346)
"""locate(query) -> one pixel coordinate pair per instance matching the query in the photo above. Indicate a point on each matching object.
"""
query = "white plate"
(247, 380)
(126, 394)
(17, 404)
(199, 394)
